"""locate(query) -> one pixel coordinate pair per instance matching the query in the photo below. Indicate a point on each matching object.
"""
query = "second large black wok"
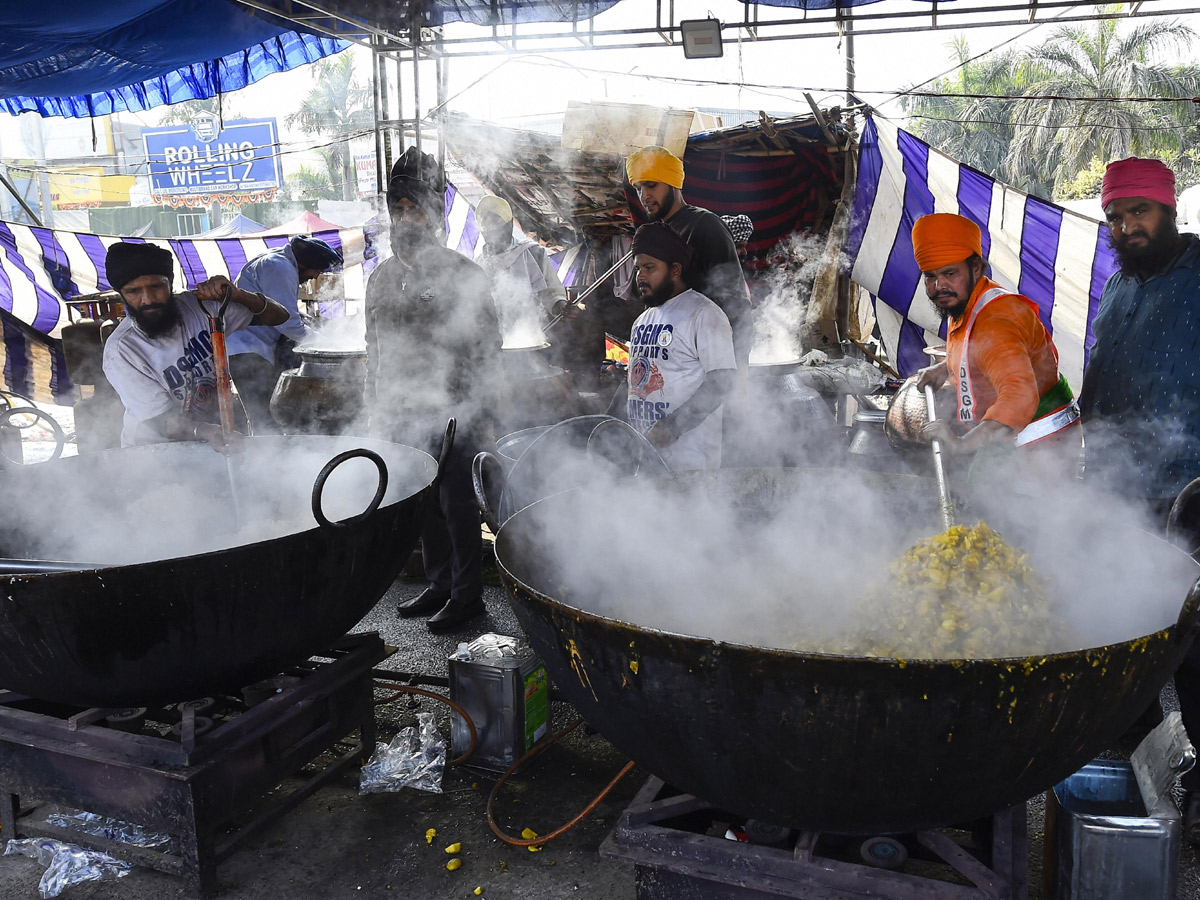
(815, 740)
(177, 599)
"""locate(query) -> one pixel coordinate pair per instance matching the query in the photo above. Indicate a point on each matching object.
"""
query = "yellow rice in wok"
(962, 594)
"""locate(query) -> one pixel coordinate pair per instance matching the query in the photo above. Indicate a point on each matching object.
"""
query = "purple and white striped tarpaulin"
(40, 268)
(1057, 258)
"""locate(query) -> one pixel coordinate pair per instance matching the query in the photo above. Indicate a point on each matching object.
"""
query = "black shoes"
(454, 613)
(429, 600)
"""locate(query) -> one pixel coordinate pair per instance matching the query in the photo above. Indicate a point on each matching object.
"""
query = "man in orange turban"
(1003, 362)
(656, 175)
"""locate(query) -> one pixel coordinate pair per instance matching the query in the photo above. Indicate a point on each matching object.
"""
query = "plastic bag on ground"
(415, 758)
(67, 864)
(113, 829)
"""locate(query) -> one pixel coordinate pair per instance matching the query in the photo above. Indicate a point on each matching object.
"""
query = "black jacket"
(433, 341)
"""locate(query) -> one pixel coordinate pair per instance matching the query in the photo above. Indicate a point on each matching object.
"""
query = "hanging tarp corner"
(79, 58)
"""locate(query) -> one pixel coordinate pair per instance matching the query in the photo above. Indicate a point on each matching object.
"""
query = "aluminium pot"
(134, 612)
(819, 741)
(324, 395)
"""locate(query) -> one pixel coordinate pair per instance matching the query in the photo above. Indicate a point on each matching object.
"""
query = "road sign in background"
(188, 160)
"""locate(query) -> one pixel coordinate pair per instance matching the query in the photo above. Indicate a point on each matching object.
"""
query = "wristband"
(266, 303)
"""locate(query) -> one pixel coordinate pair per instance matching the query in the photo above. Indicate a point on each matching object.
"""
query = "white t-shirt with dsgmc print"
(157, 375)
(671, 348)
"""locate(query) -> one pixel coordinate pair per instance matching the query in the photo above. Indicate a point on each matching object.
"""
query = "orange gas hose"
(543, 839)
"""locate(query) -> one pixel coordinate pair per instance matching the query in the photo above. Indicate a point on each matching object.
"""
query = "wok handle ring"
(447, 449)
(486, 469)
(1187, 624)
(1186, 496)
(9, 414)
(327, 470)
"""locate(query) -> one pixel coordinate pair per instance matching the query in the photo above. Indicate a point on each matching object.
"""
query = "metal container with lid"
(504, 688)
(538, 393)
(1112, 829)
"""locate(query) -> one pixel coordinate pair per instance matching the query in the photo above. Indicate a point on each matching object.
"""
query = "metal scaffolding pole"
(378, 87)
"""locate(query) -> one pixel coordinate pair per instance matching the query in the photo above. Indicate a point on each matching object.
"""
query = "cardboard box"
(619, 129)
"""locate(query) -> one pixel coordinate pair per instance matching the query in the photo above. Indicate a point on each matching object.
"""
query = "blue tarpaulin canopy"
(80, 58)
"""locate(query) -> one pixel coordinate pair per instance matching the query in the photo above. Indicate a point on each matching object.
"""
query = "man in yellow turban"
(1001, 358)
(524, 280)
(715, 271)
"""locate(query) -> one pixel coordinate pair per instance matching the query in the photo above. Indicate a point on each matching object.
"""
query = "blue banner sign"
(195, 159)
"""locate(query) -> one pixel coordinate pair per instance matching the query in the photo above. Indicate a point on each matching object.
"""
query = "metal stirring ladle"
(939, 466)
(216, 327)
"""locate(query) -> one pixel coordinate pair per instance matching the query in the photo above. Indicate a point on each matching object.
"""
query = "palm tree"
(312, 184)
(974, 130)
(339, 107)
(1056, 138)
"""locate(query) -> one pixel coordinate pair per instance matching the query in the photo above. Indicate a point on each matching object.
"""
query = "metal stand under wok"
(669, 837)
(201, 784)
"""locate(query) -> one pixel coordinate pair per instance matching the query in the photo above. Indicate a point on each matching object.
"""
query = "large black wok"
(835, 743)
(173, 601)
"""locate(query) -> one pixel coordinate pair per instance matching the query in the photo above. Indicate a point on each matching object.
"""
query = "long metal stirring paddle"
(589, 291)
(225, 398)
(939, 466)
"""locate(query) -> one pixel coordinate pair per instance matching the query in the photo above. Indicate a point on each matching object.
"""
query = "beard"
(659, 295)
(407, 239)
(158, 319)
(952, 312)
(1153, 257)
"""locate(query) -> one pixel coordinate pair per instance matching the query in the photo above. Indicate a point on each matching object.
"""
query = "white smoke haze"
(426, 382)
(330, 288)
(785, 558)
(345, 333)
(779, 318)
(521, 318)
(172, 500)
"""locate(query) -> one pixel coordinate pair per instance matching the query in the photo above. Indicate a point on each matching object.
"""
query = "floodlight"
(701, 38)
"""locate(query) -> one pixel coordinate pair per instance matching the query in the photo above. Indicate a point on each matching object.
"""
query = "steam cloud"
(783, 558)
(779, 315)
(521, 318)
(166, 501)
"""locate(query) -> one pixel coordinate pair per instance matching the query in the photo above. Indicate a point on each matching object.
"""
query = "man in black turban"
(160, 358)
(433, 350)
(259, 353)
(681, 358)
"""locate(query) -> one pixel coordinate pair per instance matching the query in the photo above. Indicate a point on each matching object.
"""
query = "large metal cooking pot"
(151, 618)
(818, 741)
(322, 396)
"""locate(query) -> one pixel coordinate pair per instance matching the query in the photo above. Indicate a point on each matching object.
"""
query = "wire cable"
(401, 690)
(562, 829)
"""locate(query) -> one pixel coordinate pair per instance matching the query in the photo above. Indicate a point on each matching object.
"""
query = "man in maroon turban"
(1141, 389)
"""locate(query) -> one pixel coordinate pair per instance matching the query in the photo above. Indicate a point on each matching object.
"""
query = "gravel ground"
(338, 844)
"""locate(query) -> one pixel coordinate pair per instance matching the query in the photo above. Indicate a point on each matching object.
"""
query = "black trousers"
(451, 541)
